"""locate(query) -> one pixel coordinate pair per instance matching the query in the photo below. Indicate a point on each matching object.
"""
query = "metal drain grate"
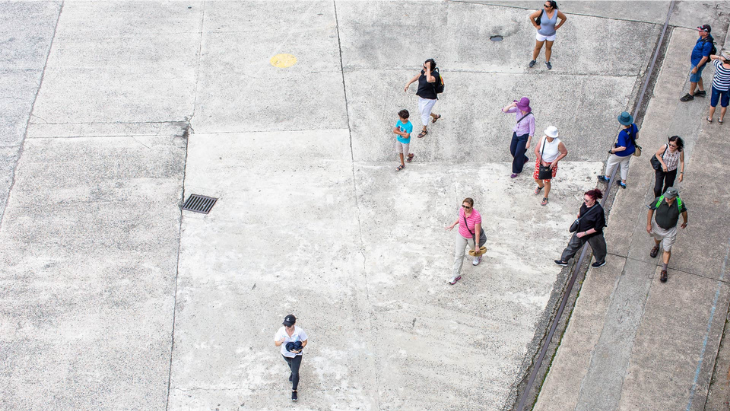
(496, 38)
(199, 204)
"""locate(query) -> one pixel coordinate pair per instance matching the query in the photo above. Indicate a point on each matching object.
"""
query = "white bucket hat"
(551, 131)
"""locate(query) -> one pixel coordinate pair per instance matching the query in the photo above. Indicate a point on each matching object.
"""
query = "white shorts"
(425, 106)
(402, 148)
(667, 237)
(540, 37)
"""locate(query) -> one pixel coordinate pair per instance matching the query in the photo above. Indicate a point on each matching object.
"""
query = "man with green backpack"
(666, 210)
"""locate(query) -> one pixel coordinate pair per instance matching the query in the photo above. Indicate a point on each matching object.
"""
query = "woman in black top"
(590, 228)
(427, 80)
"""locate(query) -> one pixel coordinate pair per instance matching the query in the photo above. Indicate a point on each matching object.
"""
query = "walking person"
(548, 151)
(670, 157)
(591, 220)
(622, 151)
(546, 23)
(427, 79)
(720, 85)
(470, 233)
(699, 57)
(292, 340)
(666, 210)
(522, 133)
(403, 129)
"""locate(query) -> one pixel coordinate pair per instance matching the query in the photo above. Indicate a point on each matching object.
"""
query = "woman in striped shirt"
(720, 85)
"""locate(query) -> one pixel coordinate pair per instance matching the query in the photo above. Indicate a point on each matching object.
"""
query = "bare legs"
(548, 49)
(538, 46)
(722, 112)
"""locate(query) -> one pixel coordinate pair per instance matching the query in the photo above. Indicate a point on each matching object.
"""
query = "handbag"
(655, 163)
(544, 172)
(576, 223)
(538, 20)
(482, 236)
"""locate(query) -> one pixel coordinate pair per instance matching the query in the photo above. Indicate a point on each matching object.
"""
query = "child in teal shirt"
(403, 129)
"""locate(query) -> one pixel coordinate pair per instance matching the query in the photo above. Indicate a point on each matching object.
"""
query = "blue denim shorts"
(695, 78)
(716, 94)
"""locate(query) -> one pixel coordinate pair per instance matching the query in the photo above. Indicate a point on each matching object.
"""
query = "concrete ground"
(114, 112)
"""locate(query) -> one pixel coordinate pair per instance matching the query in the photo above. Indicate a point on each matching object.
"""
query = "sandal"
(709, 119)
(544, 201)
(423, 134)
(436, 118)
(537, 190)
(719, 121)
(410, 157)
(400, 167)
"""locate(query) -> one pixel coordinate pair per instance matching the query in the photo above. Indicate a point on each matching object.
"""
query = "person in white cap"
(292, 341)
(549, 151)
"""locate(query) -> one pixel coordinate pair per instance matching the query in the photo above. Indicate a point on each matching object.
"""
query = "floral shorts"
(537, 170)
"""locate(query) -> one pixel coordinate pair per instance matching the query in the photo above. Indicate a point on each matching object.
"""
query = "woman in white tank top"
(548, 151)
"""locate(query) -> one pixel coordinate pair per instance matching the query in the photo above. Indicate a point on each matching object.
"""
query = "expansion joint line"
(354, 185)
(30, 114)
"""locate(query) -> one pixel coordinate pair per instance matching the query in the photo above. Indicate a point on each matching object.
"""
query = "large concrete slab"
(240, 90)
(89, 251)
(304, 237)
(136, 63)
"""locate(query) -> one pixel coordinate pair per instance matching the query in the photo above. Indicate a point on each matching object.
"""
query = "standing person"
(670, 156)
(403, 129)
(625, 147)
(720, 85)
(548, 151)
(546, 30)
(591, 220)
(522, 133)
(427, 80)
(666, 210)
(292, 341)
(700, 55)
(470, 233)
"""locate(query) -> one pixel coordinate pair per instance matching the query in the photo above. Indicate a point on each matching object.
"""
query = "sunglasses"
(547, 6)
(673, 145)
(466, 207)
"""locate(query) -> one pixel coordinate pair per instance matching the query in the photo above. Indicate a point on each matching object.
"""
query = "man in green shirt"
(666, 210)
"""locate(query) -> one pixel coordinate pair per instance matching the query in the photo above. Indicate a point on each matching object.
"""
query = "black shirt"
(426, 89)
(595, 218)
(667, 216)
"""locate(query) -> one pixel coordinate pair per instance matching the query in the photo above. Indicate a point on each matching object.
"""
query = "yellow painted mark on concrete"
(283, 60)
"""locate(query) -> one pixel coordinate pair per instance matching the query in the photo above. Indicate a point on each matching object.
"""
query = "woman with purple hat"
(522, 133)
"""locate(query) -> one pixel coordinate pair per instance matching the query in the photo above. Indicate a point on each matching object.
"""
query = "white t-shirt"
(297, 335)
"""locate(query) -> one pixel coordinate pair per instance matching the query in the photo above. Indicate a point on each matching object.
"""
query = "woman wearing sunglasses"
(546, 27)
(470, 233)
(427, 80)
(671, 157)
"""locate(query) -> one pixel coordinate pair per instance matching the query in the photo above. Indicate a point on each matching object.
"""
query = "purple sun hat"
(524, 104)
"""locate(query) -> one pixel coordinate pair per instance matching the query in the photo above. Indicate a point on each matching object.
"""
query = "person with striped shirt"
(720, 85)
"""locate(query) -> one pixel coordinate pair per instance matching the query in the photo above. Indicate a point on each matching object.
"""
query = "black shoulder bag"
(538, 20)
(576, 223)
(655, 163)
(482, 236)
(544, 172)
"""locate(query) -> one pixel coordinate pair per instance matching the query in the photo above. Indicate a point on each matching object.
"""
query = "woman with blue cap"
(623, 149)
(292, 341)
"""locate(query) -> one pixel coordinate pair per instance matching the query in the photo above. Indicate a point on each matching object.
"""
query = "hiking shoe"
(654, 251)
(604, 178)
(622, 184)
(561, 263)
(532, 64)
(597, 264)
(477, 260)
(700, 93)
(687, 97)
(294, 396)
(663, 278)
(454, 280)
(548, 65)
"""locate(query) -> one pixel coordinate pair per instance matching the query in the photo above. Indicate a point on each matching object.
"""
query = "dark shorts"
(722, 96)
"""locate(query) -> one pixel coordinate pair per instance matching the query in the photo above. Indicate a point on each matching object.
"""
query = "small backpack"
(439, 85)
(713, 52)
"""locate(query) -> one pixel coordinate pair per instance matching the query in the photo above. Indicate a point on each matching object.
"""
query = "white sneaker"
(477, 260)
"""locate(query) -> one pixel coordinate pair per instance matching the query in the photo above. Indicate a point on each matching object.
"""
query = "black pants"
(667, 179)
(294, 364)
(518, 150)
(597, 242)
